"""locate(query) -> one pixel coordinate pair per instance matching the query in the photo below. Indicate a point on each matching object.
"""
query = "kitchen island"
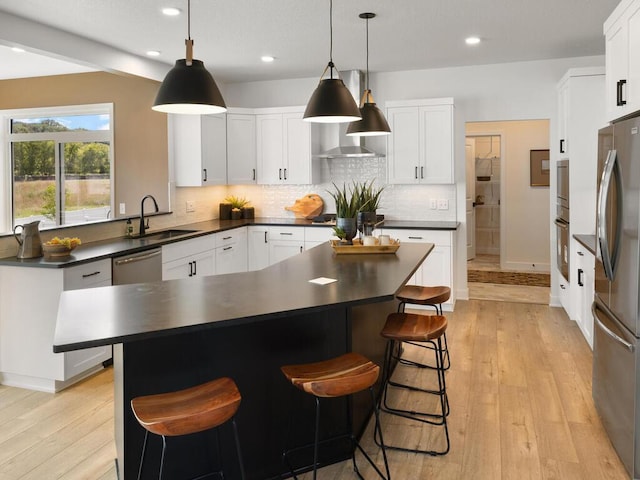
(174, 334)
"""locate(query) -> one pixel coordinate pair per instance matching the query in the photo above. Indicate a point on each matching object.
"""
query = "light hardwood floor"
(519, 388)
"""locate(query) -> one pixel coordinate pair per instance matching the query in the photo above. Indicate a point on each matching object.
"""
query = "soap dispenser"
(128, 231)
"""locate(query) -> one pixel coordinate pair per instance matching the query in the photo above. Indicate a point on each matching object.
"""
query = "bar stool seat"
(417, 330)
(188, 411)
(336, 377)
(428, 296)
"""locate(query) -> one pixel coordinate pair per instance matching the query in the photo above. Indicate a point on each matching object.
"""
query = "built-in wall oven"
(562, 218)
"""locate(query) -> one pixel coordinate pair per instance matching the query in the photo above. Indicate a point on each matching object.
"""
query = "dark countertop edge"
(587, 241)
(62, 348)
(99, 250)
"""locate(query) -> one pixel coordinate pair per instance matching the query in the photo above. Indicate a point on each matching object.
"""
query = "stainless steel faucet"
(143, 227)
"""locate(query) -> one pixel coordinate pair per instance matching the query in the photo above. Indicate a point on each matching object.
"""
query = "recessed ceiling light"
(153, 53)
(171, 11)
(472, 40)
(267, 58)
(18, 49)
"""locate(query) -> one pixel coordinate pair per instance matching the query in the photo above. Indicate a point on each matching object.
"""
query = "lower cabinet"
(438, 267)
(189, 258)
(231, 251)
(28, 308)
(584, 291)
(257, 247)
(314, 236)
(285, 242)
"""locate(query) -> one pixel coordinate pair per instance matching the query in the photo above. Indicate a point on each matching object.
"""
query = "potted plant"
(346, 212)
(368, 203)
(237, 206)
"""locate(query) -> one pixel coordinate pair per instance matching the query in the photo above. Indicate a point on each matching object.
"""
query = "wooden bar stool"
(416, 330)
(430, 297)
(337, 377)
(192, 410)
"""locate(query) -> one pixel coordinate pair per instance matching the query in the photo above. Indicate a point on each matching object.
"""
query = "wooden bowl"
(56, 251)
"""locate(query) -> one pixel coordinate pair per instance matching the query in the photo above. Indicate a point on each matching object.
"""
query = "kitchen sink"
(165, 234)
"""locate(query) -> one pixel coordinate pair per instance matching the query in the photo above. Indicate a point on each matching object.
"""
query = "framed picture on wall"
(539, 165)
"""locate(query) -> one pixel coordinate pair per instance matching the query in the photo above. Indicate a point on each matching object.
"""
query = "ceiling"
(231, 35)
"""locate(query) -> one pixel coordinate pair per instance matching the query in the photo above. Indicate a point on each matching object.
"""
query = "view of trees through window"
(61, 176)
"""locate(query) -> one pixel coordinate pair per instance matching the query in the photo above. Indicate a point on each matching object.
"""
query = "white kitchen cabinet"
(28, 308)
(257, 247)
(283, 145)
(231, 251)
(420, 147)
(438, 267)
(189, 258)
(198, 149)
(314, 236)
(622, 40)
(241, 149)
(285, 242)
(585, 289)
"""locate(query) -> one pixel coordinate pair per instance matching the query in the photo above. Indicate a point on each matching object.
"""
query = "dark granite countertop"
(115, 247)
(126, 313)
(587, 241)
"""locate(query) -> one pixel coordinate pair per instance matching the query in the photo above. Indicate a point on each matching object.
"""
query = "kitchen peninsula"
(174, 334)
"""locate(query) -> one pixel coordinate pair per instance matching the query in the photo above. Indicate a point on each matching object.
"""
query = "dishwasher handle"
(137, 258)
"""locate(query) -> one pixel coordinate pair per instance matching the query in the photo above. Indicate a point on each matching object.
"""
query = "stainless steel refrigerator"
(616, 309)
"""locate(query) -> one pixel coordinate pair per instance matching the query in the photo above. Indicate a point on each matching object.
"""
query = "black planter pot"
(349, 226)
(248, 212)
(225, 211)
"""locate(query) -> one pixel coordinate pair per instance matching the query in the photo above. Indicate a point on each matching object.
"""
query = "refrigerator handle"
(603, 194)
(608, 331)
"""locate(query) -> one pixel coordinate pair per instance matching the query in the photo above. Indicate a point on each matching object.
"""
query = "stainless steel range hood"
(334, 142)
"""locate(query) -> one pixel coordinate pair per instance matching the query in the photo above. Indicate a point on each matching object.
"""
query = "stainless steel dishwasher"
(139, 267)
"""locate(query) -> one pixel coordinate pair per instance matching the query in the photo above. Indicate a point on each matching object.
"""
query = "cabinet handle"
(254, 173)
(265, 236)
(580, 254)
(286, 233)
(580, 280)
(195, 268)
(416, 173)
(191, 269)
(227, 248)
(416, 238)
(619, 100)
(421, 172)
(562, 286)
(227, 238)
(205, 175)
(285, 173)
(300, 248)
(87, 275)
(280, 174)
(562, 145)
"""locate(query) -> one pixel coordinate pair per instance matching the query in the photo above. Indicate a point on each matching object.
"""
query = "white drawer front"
(437, 237)
(286, 233)
(185, 248)
(318, 234)
(229, 237)
(88, 275)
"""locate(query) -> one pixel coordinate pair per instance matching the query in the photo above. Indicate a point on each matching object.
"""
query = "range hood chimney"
(334, 135)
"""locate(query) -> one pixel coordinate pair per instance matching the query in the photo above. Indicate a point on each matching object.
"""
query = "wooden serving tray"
(358, 248)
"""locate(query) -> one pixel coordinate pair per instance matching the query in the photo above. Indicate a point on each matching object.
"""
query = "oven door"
(563, 183)
(562, 248)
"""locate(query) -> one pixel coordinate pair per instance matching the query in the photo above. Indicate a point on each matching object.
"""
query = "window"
(61, 165)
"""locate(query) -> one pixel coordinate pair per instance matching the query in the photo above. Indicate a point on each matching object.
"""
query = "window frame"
(7, 138)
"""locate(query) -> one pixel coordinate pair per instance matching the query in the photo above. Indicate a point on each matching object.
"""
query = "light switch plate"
(123, 209)
(443, 204)
(191, 206)
(433, 203)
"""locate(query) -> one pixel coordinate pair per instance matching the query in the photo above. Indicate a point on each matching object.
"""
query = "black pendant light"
(189, 87)
(373, 122)
(331, 101)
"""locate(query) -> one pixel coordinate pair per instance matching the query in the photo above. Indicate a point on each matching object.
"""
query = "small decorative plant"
(368, 197)
(346, 204)
(339, 232)
(236, 202)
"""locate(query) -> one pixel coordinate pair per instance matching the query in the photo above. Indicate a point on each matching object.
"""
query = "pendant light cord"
(188, 42)
(367, 19)
(331, 66)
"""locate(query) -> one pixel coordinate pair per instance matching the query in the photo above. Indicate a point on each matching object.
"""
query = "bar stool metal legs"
(416, 330)
(337, 377)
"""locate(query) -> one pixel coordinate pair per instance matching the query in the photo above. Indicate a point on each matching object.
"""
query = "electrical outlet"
(123, 210)
(443, 204)
(191, 206)
(433, 204)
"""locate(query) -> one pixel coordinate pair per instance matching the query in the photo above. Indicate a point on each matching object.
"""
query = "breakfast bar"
(175, 334)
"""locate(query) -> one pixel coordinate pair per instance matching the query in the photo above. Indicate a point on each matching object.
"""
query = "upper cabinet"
(283, 145)
(198, 148)
(420, 147)
(241, 149)
(622, 33)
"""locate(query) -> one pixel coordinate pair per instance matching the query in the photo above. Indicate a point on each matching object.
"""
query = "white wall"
(511, 91)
